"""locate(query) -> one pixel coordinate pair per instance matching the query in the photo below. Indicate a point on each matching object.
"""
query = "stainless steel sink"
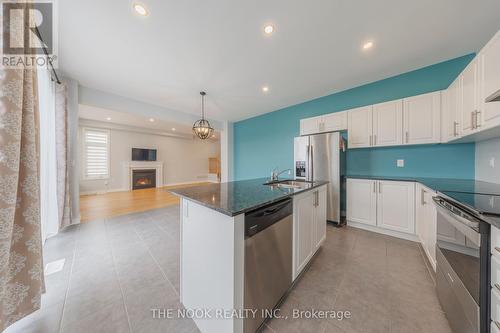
(288, 183)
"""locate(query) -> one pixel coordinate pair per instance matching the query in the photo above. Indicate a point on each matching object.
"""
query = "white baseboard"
(191, 182)
(382, 231)
(103, 191)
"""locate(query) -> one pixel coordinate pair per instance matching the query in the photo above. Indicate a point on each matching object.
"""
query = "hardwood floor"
(101, 206)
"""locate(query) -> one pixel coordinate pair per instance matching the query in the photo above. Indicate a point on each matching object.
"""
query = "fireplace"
(143, 179)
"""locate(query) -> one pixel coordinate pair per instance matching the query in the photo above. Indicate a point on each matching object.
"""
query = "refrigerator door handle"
(311, 163)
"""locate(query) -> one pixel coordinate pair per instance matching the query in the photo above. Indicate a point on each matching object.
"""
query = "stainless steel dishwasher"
(268, 259)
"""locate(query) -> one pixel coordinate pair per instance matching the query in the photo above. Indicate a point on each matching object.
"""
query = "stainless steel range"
(463, 260)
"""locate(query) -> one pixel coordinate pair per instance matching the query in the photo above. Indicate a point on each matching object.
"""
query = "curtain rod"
(56, 77)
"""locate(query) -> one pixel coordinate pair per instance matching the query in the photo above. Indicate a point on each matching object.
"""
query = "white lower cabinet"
(362, 201)
(396, 206)
(382, 203)
(426, 221)
(309, 226)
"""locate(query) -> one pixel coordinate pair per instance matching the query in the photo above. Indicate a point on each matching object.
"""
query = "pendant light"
(202, 127)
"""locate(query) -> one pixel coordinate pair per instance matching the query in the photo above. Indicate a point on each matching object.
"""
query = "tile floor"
(118, 269)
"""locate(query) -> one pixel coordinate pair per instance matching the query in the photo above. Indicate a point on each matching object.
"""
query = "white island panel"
(212, 265)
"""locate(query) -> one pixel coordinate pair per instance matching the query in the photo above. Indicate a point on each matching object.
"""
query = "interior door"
(388, 123)
(422, 119)
(360, 125)
(490, 79)
(469, 98)
(396, 206)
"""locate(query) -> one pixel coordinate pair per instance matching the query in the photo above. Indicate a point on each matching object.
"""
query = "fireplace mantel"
(142, 165)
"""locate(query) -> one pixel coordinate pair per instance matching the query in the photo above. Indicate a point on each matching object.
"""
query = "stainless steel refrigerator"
(322, 157)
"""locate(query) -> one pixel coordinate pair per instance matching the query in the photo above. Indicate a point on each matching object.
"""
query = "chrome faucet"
(275, 174)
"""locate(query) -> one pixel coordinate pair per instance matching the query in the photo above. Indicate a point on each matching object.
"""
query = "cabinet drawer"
(495, 272)
(495, 241)
(495, 305)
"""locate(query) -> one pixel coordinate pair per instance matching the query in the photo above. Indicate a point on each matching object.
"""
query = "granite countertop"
(238, 197)
(443, 184)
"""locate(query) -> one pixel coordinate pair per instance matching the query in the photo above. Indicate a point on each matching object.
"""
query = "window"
(96, 153)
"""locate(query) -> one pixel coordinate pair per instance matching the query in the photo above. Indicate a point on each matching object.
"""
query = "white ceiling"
(186, 46)
(136, 121)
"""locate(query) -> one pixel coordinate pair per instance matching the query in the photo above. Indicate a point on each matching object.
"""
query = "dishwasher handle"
(262, 218)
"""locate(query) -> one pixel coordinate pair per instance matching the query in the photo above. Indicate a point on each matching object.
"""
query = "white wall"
(485, 152)
(184, 160)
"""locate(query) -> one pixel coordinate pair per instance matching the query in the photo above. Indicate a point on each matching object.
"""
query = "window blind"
(96, 153)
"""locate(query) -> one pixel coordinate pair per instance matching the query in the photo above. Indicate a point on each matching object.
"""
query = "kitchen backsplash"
(488, 161)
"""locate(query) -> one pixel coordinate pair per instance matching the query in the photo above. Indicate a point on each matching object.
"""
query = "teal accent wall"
(264, 142)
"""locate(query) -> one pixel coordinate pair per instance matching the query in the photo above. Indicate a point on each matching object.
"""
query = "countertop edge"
(243, 211)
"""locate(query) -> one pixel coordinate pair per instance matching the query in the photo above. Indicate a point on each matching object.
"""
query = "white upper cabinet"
(489, 62)
(388, 123)
(422, 119)
(469, 98)
(310, 125)
(451, 111)
(360, 127)
(332, 122)
(396, 206)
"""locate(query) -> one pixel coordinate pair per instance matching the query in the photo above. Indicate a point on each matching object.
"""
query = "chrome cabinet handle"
(472, 115)
(455, 130)
(379, 188)
(374, 187)
(375, 140)
(371, 140)
(497, 286)
(422, 197)
(407, 137)
(452, 281)
(477, 119)
(497, 248)
(497, 323)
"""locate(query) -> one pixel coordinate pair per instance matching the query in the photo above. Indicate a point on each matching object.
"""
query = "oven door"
(458, 274)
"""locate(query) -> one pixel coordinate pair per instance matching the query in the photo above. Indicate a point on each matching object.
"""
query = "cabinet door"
(490, 82)
(320, 217)
(360, 127)
(422, 119)
(303, 230)
(425, 223)
(396, 206)
(388, 123)
(310, 125)
(451, 111)
(334, 122)
(446, 232)
(361, 201)
(469, 97)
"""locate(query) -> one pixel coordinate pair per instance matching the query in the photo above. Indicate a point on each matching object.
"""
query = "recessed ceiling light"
(108, 118)
(151, 120)
(213, 135)
(265, 89)
(368, 45)
(173, 129)
(268, 29)
(140, 9)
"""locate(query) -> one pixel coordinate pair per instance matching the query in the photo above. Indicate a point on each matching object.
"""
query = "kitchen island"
(212, 281)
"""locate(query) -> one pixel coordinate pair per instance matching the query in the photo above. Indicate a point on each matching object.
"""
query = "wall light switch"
(492, 162)
(400, 163)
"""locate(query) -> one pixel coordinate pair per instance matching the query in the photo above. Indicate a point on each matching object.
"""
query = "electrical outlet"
(492, 162)
(400, 163)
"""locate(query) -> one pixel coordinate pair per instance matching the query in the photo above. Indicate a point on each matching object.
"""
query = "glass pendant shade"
(202, 127)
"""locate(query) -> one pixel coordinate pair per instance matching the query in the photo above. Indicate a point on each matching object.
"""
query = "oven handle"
(471, 224)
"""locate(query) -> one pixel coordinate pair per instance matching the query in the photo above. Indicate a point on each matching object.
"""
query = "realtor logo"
(29, 34)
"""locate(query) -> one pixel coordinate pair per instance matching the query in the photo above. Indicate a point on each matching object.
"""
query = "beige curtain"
(21, 273)
(62, 155)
